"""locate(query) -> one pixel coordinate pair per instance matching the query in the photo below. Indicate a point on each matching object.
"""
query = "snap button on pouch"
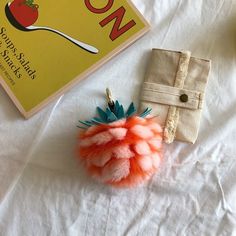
(184, 98)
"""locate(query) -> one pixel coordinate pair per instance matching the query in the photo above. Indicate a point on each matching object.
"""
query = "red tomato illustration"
(24, 11)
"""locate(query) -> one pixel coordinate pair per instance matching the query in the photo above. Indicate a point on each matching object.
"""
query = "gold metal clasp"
(110, 101)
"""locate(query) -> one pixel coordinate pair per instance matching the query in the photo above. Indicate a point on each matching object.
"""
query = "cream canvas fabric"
(174, 88)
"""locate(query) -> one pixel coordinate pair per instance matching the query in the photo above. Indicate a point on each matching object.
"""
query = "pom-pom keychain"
(121, 148)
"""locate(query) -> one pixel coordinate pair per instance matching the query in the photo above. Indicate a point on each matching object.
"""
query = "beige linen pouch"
(174, 88)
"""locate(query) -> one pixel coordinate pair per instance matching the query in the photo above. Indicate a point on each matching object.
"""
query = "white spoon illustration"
(17, 25)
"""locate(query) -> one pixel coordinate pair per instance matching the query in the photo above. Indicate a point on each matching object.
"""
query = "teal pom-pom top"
(112, 113)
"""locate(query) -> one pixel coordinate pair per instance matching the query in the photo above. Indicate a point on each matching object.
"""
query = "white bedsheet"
(43, 191)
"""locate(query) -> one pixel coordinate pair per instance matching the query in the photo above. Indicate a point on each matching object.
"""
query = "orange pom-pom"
(123, 153)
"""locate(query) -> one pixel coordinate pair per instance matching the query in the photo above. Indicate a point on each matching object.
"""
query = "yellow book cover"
(48, 46)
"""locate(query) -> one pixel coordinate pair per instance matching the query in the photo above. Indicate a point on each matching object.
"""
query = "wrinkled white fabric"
(44, 191)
